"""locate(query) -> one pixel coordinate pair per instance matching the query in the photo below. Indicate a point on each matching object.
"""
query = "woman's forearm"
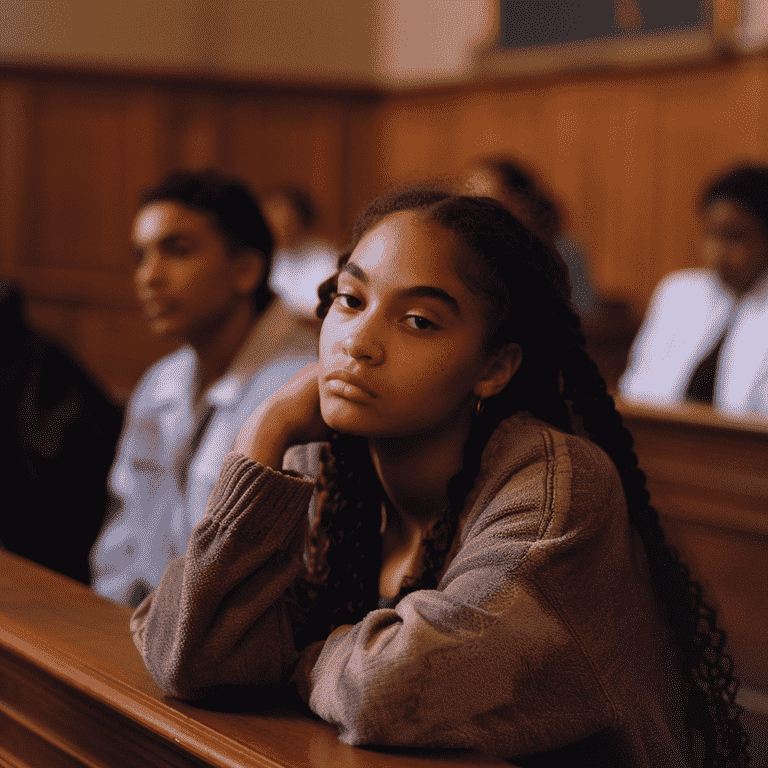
(218, 616)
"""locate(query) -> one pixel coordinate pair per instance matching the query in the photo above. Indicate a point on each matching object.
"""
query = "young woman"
(465, 571)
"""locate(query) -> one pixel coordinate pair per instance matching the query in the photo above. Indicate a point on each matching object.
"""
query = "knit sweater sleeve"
(219, 615)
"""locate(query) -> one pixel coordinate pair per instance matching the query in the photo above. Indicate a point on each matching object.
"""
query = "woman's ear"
(499, 370)
(251, 270)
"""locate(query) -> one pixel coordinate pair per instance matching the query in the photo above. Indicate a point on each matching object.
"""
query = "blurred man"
(203, 255)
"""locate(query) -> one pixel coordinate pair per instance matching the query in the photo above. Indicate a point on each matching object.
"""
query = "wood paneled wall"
(625, 154)
(77, 149)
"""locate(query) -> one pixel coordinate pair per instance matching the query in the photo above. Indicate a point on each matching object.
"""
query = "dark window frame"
(625, 50)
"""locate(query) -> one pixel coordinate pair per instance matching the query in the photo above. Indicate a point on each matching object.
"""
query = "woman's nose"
(364, 343)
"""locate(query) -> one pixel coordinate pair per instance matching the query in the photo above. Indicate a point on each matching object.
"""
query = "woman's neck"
(414, 472)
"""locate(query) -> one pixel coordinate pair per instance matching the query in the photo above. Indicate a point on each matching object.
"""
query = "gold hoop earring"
(480, 406)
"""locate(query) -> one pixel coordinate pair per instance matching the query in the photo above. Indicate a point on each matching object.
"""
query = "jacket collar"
(178, 378)
(265, 341)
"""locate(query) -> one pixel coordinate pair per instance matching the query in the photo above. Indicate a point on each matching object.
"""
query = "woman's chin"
(342, 416)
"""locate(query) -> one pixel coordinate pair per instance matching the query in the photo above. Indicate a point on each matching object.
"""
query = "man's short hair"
(745, 184)
(232, 208)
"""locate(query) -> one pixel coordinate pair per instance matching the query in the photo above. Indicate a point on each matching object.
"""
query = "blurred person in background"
(57, 440)
(203, 256)
(302, 260)
(705, 334)
(506, 179)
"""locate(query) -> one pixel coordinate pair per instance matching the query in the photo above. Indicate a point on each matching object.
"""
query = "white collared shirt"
(296, 275)
(157, 508)
(689, 311)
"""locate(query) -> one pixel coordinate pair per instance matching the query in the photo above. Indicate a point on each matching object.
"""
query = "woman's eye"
(348, 300)
(419, 323)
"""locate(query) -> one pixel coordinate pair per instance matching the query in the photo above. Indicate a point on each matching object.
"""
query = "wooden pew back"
(708, 478)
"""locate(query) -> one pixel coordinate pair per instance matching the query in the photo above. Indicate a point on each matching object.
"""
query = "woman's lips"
(346, 385)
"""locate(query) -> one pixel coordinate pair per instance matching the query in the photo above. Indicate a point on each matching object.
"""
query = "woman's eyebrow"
(430, 292)
(355, 271)
(416, 292)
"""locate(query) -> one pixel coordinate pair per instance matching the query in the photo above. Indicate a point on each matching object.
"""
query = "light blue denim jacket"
(160, 485)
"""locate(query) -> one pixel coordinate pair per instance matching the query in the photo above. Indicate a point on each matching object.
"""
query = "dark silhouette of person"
(57, 441)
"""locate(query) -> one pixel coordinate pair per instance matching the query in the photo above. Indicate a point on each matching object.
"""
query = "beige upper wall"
(419, 41)
(397, 42)
(305, 39)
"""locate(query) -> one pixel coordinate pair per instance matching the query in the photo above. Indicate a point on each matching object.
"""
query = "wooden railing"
(74, 694)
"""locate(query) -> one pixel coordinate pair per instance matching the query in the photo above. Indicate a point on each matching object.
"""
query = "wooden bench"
(708, 478)
(74, 694)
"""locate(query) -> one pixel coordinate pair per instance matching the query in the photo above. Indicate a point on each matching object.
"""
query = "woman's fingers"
(289, 417)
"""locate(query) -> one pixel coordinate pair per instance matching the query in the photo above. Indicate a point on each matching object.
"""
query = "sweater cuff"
(245, 484)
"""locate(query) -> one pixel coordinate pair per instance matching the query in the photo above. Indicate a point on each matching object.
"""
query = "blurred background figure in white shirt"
(705, 334)
(301, 260)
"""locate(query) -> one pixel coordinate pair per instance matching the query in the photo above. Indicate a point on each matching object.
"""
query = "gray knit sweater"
(541, 637)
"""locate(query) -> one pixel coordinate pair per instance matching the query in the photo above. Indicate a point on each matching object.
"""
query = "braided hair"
(523, 284)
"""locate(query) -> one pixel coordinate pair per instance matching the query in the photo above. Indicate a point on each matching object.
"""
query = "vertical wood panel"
(247, 145)
(201, 135)
(15, 128)
(80, 180)
(364, 161)
(85, 148)
(304, 146)
(625, 156)
(145, 142)
(418, 138)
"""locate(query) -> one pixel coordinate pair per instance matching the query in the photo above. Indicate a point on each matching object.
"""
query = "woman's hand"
(302, 675)
(289, 417)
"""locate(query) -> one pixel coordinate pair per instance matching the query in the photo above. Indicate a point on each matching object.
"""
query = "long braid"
(343, 541)
(679, 598)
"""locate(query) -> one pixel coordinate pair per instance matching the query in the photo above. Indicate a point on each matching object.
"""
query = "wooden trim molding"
(66, 68)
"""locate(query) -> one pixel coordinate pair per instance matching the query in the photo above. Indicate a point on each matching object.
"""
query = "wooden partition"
(74, 694)
(708, 478)
(625, 153)
(77, 148)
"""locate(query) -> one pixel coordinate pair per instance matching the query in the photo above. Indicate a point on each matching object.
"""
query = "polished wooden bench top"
(74, 692)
